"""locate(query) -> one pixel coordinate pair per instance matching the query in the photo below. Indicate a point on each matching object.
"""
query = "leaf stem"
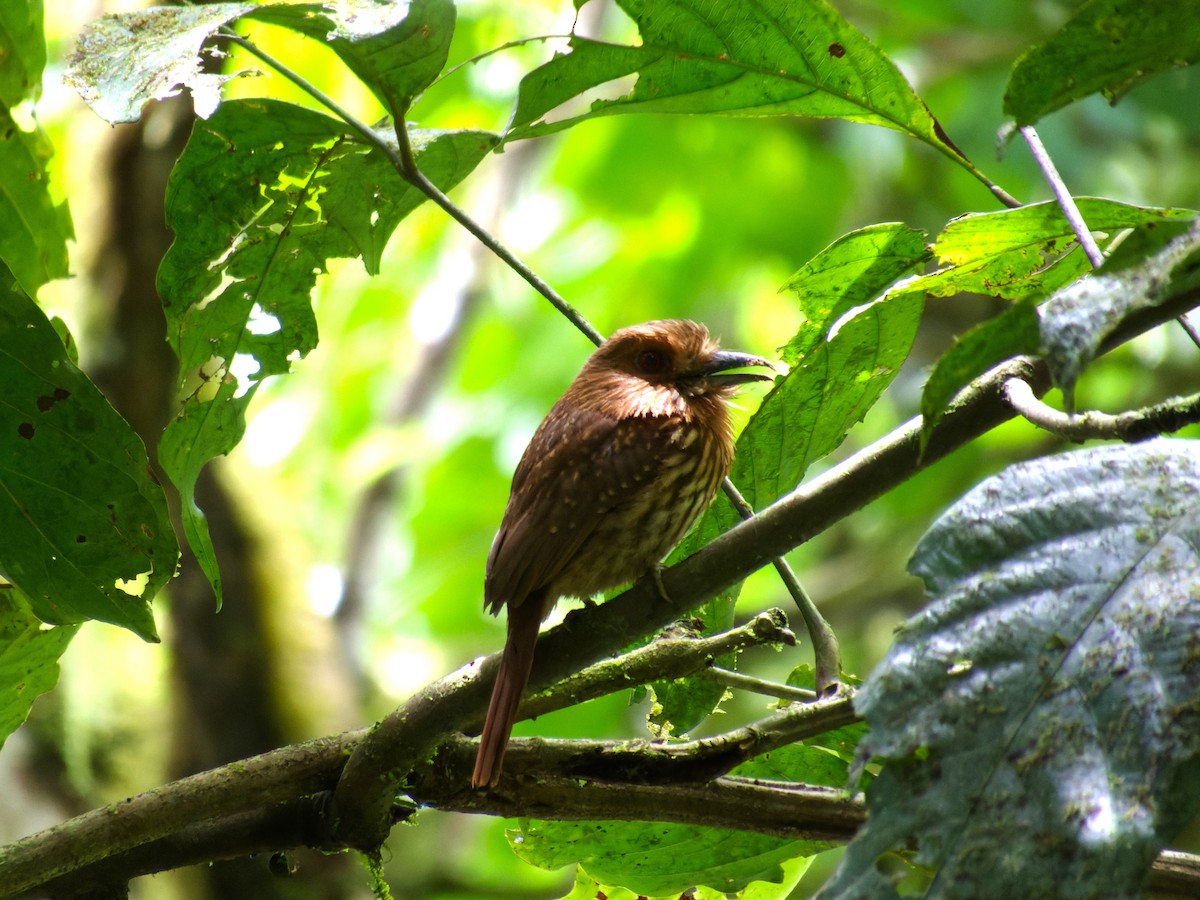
(1065, 201)
(738, 680)
(827, 655)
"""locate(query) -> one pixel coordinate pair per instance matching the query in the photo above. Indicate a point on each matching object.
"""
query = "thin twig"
(1136, 425)
(732, 679)
(668, 656)
(1065, 200)
(827, 655)
(1067, 203)
(1189, 329)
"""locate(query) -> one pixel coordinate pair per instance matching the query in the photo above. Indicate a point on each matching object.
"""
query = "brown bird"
(614, 476)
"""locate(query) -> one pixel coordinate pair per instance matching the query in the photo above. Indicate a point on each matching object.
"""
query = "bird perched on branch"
(614, 476)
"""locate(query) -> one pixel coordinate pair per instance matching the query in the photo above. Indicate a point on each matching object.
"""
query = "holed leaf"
(85, 524)
(1039, 722)
(262, 196)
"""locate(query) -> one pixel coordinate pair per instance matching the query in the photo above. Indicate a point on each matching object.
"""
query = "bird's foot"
(655, 574)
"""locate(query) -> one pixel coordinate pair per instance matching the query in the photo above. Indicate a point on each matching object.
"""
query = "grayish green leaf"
(1078, 319)
(1040, 721)
(124, 61)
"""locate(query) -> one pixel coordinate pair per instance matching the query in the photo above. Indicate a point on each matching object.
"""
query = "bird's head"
(657, 365)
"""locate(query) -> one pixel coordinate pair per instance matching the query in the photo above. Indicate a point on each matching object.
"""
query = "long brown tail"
(511, 678)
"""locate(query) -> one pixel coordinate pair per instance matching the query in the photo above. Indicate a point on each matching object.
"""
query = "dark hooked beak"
(715, 370)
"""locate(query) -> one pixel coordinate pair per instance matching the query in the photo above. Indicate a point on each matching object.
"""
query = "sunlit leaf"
(33, 238)
(808, 412)
(588, 888)
(1107, 47)
(853, 270)
(1027, 252)
(85, 525)
(1040, 721)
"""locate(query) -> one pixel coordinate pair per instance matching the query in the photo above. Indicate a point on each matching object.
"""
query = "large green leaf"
(29, 652)
(33, 239)
(1030, 251)
(1025, 255)
(750, 58)
(1107, 46)
(1039, 722)
(803, 418)
(808, 412)
(85, 528)
(262, 196)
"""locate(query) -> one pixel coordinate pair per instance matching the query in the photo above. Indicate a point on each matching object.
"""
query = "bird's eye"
(652, 361)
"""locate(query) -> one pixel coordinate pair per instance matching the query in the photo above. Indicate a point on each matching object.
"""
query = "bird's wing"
(579, 465)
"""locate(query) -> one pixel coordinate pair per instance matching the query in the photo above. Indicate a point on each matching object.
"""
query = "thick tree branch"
(782, 809)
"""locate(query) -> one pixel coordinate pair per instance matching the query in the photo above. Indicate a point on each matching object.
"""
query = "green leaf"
(1078, 319)
(1030, 251)
(853, 270)
(1013, 332)
(29, 653)
(1107, 46)
(1039, 722)
(262, 196)
(760, 58)
(396, 49)
(85, 525)
(23, 51)
(123, 61)
(658, 859)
